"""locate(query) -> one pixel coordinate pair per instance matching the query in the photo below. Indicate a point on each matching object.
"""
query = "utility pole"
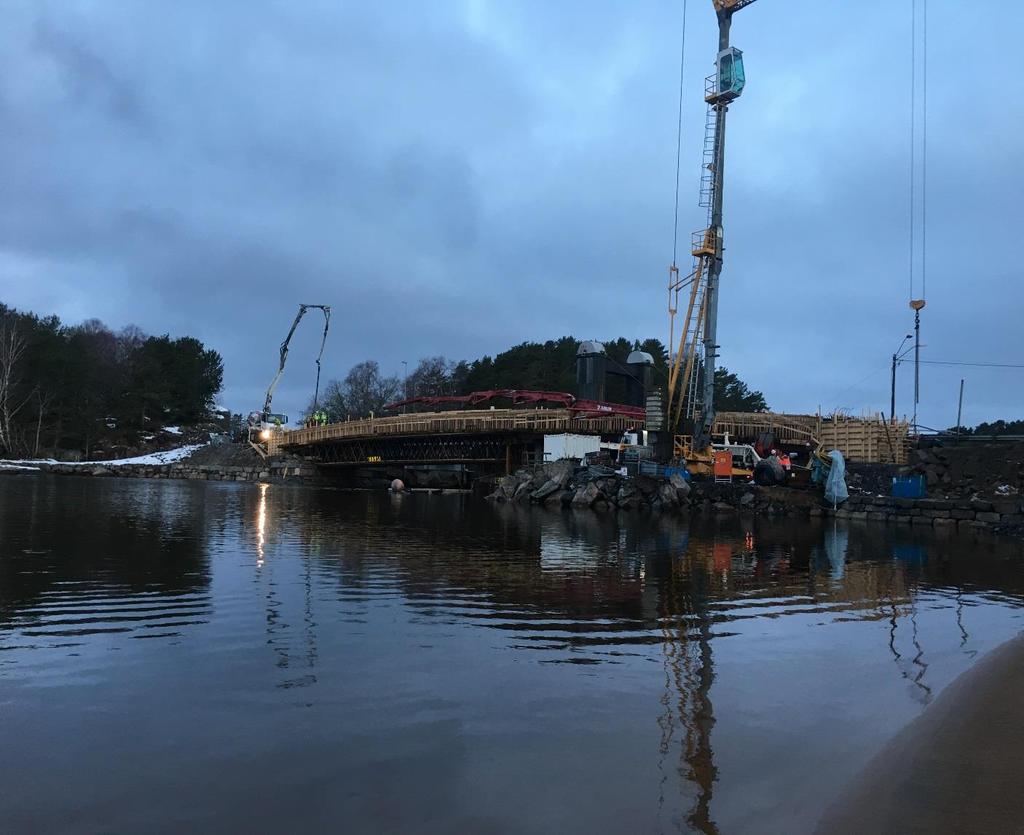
(405, 383)
(892, 397)
(959, 409)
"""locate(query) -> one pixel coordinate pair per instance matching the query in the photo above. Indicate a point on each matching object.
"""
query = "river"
(230, 657)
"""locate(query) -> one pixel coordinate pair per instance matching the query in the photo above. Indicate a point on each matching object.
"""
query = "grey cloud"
(456, 178)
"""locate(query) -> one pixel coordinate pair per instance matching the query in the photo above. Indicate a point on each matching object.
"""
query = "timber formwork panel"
(460, 423)
(865, 439)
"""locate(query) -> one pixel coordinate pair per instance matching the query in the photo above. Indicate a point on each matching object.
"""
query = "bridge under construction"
(494, 439)
(502, 440)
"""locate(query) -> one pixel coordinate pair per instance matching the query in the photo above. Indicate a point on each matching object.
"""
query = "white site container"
(557, 447)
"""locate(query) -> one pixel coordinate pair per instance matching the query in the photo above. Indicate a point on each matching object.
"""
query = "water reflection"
(507, 655)
(689, 674)
(86, 559)
(584, 588)
(261, 524)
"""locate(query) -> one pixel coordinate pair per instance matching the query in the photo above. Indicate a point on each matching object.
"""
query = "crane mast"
(699, 328)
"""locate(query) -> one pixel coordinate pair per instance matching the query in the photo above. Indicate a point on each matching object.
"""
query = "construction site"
(664, 427)
(599, 586)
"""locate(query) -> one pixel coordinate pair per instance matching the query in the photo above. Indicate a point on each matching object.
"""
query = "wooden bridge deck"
(455, 423)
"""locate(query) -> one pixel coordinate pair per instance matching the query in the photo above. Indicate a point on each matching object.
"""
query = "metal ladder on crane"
(702, 242)
(703, 249)
(707, 171)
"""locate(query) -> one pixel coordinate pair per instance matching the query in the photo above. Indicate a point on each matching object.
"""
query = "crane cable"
(924, 157)
(679, 140)
(924, 145)
(913, 119)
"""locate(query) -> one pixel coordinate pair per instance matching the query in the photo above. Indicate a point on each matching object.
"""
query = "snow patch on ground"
(168, 456)
(172, 430)
(17, 467)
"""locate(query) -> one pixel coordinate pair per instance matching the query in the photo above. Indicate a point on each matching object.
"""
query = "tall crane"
(699, 326)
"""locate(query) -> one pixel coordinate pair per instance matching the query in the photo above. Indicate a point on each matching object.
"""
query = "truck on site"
(263, 424)
(747, 461)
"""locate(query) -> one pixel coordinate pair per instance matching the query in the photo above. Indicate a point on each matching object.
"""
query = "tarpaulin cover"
(835, 485)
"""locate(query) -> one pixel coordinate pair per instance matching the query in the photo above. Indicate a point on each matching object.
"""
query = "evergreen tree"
(733, 395)
(78, 385)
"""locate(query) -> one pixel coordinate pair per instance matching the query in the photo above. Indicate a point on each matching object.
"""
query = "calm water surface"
(224, 657)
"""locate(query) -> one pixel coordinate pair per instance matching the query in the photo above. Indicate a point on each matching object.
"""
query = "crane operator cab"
(729, 76)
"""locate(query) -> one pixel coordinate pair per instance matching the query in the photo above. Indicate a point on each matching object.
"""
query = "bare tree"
(363, 392)
(43, 400)
(432, 377)
(366, 391)
(12, 349)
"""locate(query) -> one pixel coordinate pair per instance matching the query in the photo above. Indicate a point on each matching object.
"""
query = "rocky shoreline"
(271, 470)
(560, 484)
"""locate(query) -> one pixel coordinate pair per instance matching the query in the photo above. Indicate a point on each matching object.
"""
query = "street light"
(405, 383)
(895, 359)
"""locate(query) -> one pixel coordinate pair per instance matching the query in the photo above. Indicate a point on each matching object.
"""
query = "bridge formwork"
(499, 439)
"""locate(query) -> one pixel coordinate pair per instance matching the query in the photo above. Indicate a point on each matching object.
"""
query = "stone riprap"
(560, 484)
(267, 471)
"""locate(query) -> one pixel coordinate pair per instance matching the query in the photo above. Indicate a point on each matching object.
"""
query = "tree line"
(540, 366)
(993, 428)
(74, 387)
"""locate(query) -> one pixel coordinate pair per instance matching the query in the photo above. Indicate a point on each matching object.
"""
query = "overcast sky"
(457, 177)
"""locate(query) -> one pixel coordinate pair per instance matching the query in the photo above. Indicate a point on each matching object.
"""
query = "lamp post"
(405, 383)
(895, 359)
(917, 305)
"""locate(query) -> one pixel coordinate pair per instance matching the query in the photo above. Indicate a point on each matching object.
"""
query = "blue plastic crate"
(908, 487)
(670, 471)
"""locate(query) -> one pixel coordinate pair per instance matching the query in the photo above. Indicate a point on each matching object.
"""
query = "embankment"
(271, 470)
(210, 462)
(562, 485)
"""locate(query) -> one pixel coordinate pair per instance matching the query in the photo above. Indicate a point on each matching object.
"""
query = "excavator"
(262, 425)
(690, 400)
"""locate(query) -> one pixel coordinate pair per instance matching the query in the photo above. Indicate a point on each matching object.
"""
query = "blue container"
(670, 471)
(908, 487)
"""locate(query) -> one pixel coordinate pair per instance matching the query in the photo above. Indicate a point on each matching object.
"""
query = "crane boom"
(284, 351)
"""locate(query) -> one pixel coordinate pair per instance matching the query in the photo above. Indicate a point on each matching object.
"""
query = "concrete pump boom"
(284, 352)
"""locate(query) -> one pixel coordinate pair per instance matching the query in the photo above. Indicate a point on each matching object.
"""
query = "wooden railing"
(482, 421)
